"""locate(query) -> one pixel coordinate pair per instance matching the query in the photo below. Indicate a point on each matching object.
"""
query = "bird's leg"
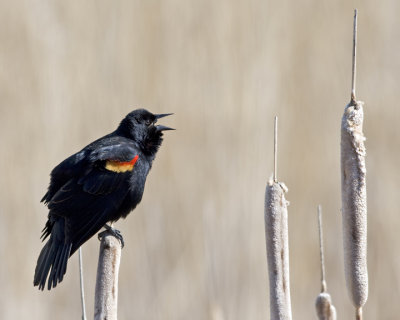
(116, 233)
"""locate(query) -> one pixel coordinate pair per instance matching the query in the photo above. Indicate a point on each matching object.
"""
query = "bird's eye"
(147, 122)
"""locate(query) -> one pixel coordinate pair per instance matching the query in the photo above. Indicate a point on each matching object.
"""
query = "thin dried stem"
(359, 313)
(321, 250)
(325, 309)
(82, 284)
(275, 148)
(353, 72)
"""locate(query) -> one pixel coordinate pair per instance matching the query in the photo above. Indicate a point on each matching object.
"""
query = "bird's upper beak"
(160, 127)
(162, 115)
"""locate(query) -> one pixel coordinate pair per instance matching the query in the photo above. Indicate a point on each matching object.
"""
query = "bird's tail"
(54, 256)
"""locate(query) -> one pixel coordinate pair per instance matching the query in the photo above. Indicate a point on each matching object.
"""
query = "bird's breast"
(137, 181)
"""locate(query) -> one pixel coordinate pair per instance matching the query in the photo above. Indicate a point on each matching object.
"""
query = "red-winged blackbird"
(101, 183)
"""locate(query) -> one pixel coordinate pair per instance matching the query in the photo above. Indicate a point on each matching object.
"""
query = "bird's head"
(140, 126)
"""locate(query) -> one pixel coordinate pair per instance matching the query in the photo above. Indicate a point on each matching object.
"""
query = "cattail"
(106, 293)
(323, 303)
(324, 306)
(354, 196)
(276, 231)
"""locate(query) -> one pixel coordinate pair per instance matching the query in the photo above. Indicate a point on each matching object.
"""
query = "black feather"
(51, 257)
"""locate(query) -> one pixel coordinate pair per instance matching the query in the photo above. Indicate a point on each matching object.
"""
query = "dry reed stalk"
(277, 242)
(82, 285)
(106, 295)
(323, 303)
(354, 196)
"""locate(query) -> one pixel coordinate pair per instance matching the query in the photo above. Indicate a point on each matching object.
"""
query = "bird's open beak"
(160, 127)
(162, 115)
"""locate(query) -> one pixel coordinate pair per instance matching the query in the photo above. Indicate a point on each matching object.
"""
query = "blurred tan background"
(195, 246)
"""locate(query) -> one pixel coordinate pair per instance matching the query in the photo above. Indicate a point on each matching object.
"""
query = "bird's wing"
(62, 173)
(86, 213)
(108, 171)
(121, 150)
(93, 198)
(110, 165)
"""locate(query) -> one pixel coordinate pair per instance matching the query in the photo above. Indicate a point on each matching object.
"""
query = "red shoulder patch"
(120, 166)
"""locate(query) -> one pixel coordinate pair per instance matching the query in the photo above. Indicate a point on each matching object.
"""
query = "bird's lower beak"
(163, 128)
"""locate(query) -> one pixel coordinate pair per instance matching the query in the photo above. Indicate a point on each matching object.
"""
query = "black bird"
(101, 183)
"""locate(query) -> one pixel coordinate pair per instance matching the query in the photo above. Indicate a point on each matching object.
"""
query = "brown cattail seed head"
(354, 203)
(325, 308)
(277, 238)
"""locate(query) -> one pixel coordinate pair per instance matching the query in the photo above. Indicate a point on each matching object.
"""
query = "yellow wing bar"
(119, 166)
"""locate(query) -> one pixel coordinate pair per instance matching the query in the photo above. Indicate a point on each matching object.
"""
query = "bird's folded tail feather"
(53, 258)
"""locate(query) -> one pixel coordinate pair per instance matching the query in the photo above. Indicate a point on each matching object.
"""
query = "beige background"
(195, 246)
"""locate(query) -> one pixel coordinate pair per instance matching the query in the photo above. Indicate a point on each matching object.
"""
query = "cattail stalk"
(354, 197)
(323, 304)
(106, 295)
(277, 242)
(82, 285)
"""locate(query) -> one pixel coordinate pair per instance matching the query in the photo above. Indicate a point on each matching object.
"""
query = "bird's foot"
(116, 233)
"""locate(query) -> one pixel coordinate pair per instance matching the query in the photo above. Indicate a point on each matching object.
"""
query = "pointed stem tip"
(354, 65)
(275, 148)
